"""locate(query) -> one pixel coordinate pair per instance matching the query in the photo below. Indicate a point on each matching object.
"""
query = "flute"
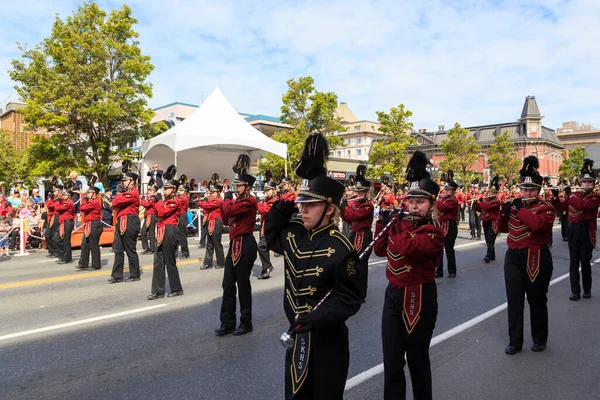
(385, 229)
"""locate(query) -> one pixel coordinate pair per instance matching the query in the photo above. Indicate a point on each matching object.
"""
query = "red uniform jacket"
(489, 208)
(240, 215)
(263, 208)
(127, 203)
(167, 212)
(412, 249)
(447, 208)
(213, 208)
(288, 195)
(65, 210)
(148, 204)
(6, 208)
(184, 204)
(530, 227)
(388, 201)
(359, 214)
(50, 204)
(460, 198)
(91, 209)
(582, 206)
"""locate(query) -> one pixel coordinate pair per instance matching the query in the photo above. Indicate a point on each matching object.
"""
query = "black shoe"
(485, 260)
(206, 267)
(266, 273)
(132, 279)
(479, 237)
(575, 297)
(451, 275)
(219, 266)
(93, 269)
(51, 256)
(472, 238)
(154, 296)
(202, 246)
(276, 255)
(175, 294)
(242, 330)
(114, 280)
(222, 331)
(538, 347)
(586, 295)
(81, 268)
(63, 262)
(184, 257)
(512, 350)
(439, 275)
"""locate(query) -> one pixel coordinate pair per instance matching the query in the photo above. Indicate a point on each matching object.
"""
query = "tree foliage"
(460, 151)
(307, 111)
(503, 158)
(388, 155)
(572, 164)
(86, 83)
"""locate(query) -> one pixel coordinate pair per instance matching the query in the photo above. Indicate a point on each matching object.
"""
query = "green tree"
(388, 155)
(86, 83)
(307, 111)
(503, 158)
(460, 151)
(9, 161)
(572, 164)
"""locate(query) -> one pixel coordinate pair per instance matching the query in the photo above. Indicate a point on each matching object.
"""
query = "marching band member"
(346, 229)
(214, 222)
(240, 215)
(65, 211)
(412, 245)
(263, 208)
(358, 213)
(184, 204)
(583, 207)
(52, 225)
(168, 213)
(288, 193)
(489, 206)
(474, 215)
(126, 206)
(447, 212)
(321, 280)
(388, 200)
(91, 208)
(563, 212)
(148, 232)
(528, 260)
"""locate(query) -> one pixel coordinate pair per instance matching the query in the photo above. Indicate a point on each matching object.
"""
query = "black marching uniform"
(318, 263)
(92, 230)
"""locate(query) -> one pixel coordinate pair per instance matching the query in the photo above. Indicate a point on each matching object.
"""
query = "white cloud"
(467, 61)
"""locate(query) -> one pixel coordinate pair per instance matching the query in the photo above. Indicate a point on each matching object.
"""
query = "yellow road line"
(81, 275)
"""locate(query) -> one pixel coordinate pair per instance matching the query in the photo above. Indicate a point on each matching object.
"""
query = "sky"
(466, 61)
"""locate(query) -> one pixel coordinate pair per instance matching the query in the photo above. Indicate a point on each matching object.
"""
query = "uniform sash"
(52, 220)
(495, 225)
(160, 234)
(413, 295)
(211, 226)
(533, 263)
(445, 225)
(358, 240)
(148, 220)
(236, 249)
(300, 358)
(123, 224)
(88, 228)
(61, 230)
(592, 227)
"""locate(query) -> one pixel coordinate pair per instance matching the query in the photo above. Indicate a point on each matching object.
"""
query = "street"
(71, 335)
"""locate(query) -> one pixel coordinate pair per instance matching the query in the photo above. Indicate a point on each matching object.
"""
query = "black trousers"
(462, 213)
(148, 234)
(490, 240)
(49, 235)
(91, 244)
(563, 218)
(397, 343)
(214, 244)
(12, 237)
(263, 253)
(518, 284)
(182, 225)
(166, 257)
(474, 223)
(364, 262)
(580, 253)
(328, 365)
(63, 245)
(126, 243)
(237, 278)
(449, 241)
(203, 234)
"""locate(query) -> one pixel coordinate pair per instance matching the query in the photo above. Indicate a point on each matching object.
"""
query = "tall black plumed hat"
(316, 185)
(530, 177)
(170, 172)
(268, 182)
(495, 184)
(587, 173)
(450, 184)
(351, 182)
(362, 183)
(419, 180)
(241, 168)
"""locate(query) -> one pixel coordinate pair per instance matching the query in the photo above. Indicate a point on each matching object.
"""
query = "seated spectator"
(4, 230)
(15, 199)
(5, 207)
(35, 198)
(15, 230)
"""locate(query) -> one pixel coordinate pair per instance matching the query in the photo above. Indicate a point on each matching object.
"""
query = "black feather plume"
(587, 166)
(183, 179)
(312, 161)
(450, 175)
(495, 184)
(214, 179)
(417, 167)
(352, 179)
(126, 166)
(268, 175)
(242, 165)
(444, 177)
(170, 172)
(530, 166)
(361, 171)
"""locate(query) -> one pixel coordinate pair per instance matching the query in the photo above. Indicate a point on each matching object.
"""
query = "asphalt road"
(71, 335)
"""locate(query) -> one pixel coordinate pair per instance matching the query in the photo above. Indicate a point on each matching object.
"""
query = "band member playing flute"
(489, 206)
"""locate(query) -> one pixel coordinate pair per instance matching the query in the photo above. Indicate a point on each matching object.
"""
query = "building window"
(348, 153)
(339, 153)
(358, 140)
(331, 153)
(348, 129)
(359, 152)
(357, 128)
(372, 128)
(348, 141)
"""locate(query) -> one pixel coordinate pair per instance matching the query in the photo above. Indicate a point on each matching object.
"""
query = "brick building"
(13, 122)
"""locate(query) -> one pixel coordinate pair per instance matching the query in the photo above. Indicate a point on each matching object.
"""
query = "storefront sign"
(337, 175)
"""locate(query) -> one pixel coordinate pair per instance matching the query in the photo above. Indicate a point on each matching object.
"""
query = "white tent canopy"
(208, 141)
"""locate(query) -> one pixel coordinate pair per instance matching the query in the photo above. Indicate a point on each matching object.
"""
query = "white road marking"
(378, 369)
(81, 322)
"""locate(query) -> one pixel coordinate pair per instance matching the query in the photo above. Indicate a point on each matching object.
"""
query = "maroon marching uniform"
(489, 207)
(359, 215)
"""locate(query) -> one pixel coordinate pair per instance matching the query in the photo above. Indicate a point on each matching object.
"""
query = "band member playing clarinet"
(583, 207)
(212, 206)
(322, 280)
(66, 214)
(263, 208)
(184, 204)
(413, 245)
(447, 213)
(358, 213)
(167, 239)
(489, 206)
(148, 233)
(91, 208)
(528, 261)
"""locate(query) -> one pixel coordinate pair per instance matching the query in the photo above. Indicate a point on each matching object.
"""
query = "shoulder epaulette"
(337, 234)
